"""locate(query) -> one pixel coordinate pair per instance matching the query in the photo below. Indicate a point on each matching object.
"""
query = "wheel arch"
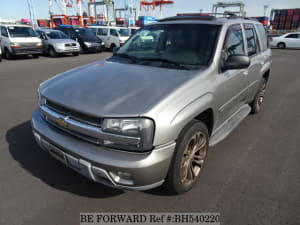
(266, 75)
(207, 117)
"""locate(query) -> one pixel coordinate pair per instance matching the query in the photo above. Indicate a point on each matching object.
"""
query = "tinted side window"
(292, 36)
(4, 32)
(263, 36)
(102, 31)
(252, 43)
(234, 43)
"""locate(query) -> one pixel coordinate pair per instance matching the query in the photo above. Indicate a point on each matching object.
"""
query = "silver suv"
(147, 115)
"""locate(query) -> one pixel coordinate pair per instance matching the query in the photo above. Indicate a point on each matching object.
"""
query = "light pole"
(265, 9)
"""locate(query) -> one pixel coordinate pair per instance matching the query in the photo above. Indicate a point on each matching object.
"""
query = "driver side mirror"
(236, 61)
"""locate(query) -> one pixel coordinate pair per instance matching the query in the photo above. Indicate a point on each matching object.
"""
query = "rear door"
(257, 57)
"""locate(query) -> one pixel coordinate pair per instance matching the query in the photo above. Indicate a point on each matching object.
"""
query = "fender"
(190, 111)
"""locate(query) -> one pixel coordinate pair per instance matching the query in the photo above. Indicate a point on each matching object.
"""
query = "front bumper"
(66, 50)
(93, 47)
(27, 51)
(119, 169)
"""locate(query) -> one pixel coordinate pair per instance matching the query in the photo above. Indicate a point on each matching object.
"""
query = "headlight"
(140, 128)
(60, 45)
(14, 45)
(41, 99)
(39, 44)
(88, 44)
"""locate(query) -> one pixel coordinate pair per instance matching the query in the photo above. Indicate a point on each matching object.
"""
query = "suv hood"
(61, 41)
(89, 38)
(25, 39)
(112, 89)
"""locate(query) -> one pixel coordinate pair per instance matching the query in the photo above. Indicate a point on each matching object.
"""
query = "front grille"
(81, 117)
(76, 134)
(70, 44)
(27, 45)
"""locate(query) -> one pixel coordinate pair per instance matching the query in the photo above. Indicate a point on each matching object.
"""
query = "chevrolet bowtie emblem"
(61, 122)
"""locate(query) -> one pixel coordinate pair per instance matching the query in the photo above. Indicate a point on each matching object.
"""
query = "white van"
(19, 40)
(112, 36)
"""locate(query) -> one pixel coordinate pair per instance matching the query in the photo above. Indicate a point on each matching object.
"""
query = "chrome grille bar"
(85, 129)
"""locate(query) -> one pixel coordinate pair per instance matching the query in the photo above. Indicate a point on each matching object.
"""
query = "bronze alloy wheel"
(193, 158)
(189, 156)
(259, 97)
(261, 94)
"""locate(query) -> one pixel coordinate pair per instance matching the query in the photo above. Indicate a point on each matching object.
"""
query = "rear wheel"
(281, 45)
(259, 97)
(75, 53)
(35, 56)
(189, 157)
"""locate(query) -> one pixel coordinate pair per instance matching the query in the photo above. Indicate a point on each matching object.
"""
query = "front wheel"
(259, 97)
(7, 54)
(75, 53)
(52, 52)
(188, 161)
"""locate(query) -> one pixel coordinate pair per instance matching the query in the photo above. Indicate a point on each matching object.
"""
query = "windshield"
(15, 31)
(124, 32)
(85, 32)
(189, 44)
(56, 35)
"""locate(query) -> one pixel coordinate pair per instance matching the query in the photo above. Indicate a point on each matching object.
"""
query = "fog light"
(122, 177)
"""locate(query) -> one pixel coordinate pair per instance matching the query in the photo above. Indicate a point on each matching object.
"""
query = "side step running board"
(229, 125)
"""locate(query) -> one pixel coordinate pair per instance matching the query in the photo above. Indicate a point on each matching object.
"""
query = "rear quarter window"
(262, 36)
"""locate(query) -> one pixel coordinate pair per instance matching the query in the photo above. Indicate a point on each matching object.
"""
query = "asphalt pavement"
(250, 178)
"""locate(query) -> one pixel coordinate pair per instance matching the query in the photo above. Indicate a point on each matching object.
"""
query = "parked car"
(56, 43)
(19, 40)
(88, 41)
(133, 30)
(112, 36)
(289, 40)
(147, 115)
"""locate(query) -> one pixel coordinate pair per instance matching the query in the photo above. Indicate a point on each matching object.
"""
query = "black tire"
(52, 52)
(112, 46)
(75, 53)
(0, 58)
(281, 45)
(259, 97)
(186, 168)
(7, 54)
(35, 56)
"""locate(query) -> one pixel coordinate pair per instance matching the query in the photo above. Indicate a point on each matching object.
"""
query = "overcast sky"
(17, 9)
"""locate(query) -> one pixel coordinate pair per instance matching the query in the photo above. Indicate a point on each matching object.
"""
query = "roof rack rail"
(187, 17)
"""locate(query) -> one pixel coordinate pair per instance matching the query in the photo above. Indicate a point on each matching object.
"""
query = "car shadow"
(37, 162)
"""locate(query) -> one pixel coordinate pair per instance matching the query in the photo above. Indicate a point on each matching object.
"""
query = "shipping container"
(285, 19)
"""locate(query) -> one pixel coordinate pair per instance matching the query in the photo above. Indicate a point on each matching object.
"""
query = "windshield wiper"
(177, 64)
(124, 55)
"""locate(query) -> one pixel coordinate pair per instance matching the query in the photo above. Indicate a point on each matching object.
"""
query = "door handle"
(245, 72)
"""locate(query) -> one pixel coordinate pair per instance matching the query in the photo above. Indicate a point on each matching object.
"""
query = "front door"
(232, 84)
